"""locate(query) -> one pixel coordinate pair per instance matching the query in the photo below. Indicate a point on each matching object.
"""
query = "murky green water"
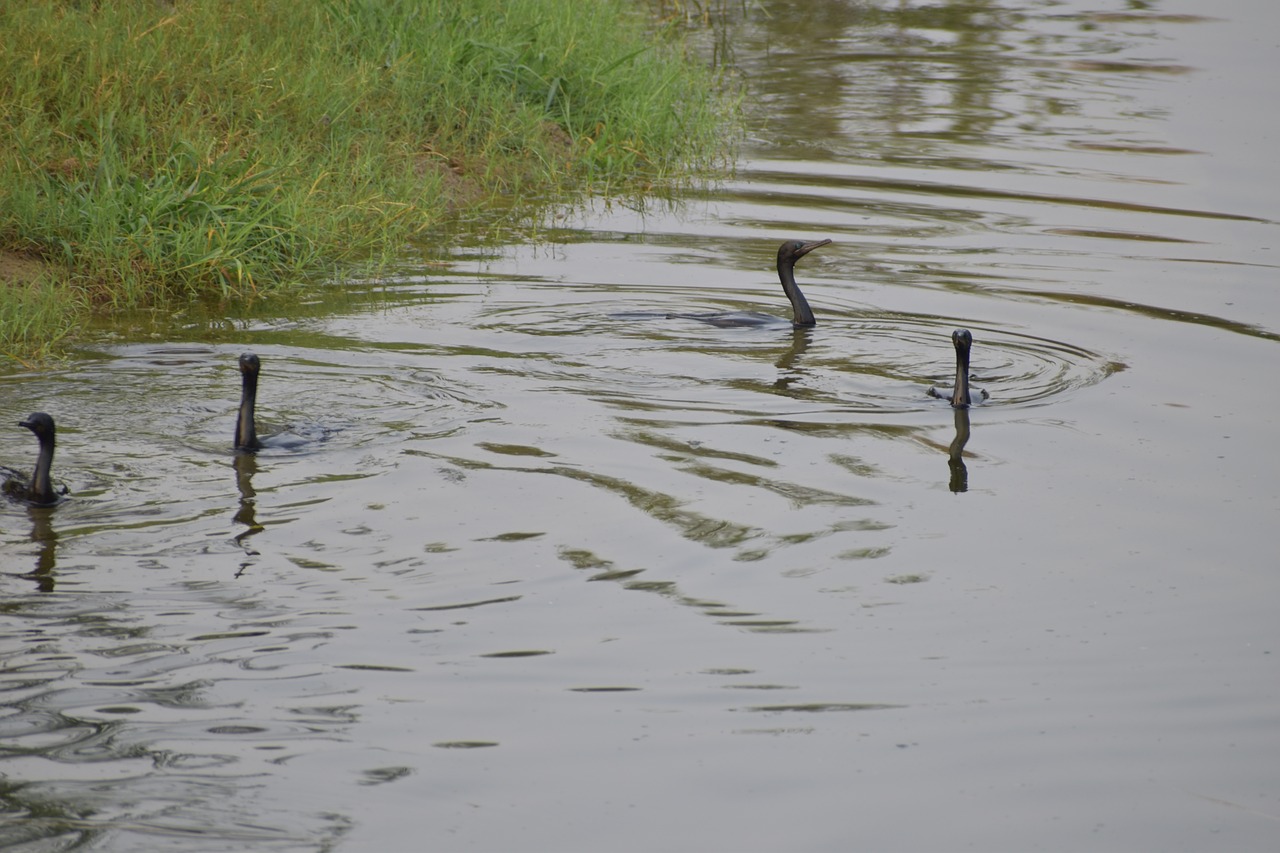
(544, 576)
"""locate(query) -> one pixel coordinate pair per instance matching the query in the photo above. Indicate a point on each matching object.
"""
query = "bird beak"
(809, 247)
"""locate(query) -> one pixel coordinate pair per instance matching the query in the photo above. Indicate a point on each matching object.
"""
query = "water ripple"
(855, 360)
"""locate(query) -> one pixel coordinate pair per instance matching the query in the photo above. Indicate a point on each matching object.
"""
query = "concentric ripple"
(853, 361)
(1015, 368)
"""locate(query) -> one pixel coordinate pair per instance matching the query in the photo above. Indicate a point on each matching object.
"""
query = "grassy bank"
(197, 149)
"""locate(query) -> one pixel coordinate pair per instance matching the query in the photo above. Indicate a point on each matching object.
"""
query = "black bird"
(801, 314)
(961, 395)
(246, 433)
(40, 491)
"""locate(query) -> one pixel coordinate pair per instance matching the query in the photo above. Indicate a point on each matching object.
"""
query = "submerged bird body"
(39, 491)
(246, 432)
(801, 314)
(961, 395)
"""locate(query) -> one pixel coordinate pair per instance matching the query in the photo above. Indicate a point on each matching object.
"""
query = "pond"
(555, 566)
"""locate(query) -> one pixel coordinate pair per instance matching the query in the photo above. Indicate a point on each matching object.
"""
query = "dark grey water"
(546, 577)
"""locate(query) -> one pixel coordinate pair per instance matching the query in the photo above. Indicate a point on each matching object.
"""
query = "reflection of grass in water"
(469, 604)
(617, 575)
(693, 449)
(862, 553)
(823, 707)
(514, 536)
(580, 558)
(712, 532)
(798, 495)
(857, 524)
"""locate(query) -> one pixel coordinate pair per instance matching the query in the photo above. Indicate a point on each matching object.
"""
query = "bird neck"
(41, 483)
(246, 433)
(801, 313)
(960, 396)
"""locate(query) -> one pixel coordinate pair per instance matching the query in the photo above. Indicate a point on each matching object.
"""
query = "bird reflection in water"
(786, 363)
(46, 539)
(955, 453)
(246, 465)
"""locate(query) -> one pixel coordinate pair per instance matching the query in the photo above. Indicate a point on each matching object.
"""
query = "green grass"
(35, 317)
(157, 151)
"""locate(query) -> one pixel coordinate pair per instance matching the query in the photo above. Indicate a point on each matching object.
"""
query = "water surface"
(545, 574)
